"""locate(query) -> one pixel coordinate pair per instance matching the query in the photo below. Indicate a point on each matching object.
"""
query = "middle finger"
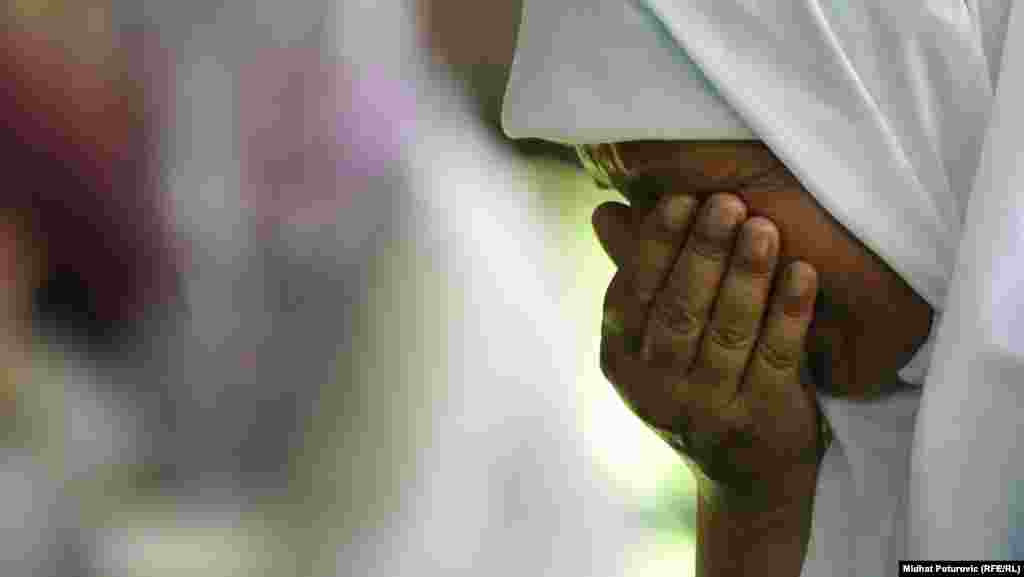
(739, 306)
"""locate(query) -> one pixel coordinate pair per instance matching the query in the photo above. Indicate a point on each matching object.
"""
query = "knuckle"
(703, 246)
(642, 291)
(730, 337)
(779, 356)
(677, 318)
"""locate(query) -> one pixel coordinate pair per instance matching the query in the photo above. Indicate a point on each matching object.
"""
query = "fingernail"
(720, 218)
(756, 243)
(798, 280)
(676, 211)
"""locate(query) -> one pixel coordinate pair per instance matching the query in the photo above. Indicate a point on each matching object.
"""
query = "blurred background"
(298, 307)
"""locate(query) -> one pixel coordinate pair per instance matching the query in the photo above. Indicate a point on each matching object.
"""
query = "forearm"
(737, 536)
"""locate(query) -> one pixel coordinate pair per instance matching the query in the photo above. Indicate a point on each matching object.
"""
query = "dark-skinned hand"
(703, 336)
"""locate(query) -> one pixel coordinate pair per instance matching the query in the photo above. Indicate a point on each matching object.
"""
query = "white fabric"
(448, 446)
(68, 433)
(966, 470)
(578, 71)
(880, 109)
(498, 481)
(860, 100)
(917, 368)
(858, 509)
(502, 462)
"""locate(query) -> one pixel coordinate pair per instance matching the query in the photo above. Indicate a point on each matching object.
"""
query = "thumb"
(612, 224)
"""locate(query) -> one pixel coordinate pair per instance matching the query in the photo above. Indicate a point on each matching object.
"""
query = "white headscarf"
(881, 110)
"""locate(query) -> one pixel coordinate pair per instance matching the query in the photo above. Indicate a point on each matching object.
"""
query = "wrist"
(788, 495)
(741, 534)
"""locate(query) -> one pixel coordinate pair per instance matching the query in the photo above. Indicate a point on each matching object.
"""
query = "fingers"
(659, 238)
(680, 311)
(637, 382)
(775, 363)
(647, 243)
(644, 254)
(742, 299)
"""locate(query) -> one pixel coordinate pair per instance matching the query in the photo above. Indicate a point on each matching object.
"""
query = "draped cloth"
(882, 111)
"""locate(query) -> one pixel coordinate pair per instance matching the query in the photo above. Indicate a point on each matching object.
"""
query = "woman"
(865, 106)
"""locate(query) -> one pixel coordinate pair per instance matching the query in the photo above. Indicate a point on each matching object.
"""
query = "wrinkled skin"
(703, 340)
(704, 335)
(874, 321)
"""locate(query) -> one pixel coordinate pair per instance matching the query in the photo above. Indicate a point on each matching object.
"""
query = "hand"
(705, 343)
(870, 321)
(873, 321)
